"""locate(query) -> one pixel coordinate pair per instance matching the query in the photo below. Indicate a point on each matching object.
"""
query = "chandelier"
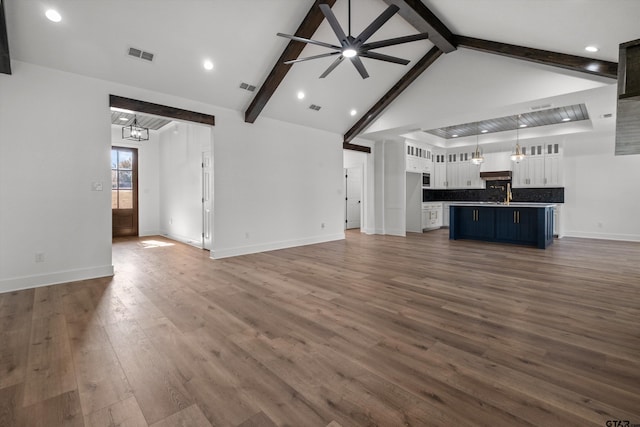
(134, 132)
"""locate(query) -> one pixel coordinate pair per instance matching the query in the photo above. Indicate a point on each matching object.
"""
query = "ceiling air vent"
(140, 54)
(607, 116)
(315, 107)
(247, 86)
(541, 107)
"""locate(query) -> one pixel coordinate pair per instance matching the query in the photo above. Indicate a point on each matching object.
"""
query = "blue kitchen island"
(518, 223)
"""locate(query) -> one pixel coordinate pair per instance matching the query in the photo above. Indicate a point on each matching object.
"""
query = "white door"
(207, 173)
(353, 177)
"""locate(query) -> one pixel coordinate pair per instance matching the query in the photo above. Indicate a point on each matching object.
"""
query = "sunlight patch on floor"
(148, 244)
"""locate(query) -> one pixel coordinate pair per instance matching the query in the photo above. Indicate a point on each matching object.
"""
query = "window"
(121, 178)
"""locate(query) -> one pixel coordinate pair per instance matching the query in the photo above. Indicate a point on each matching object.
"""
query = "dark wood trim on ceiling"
(570, 62)
(5, 60)
(160, 110)
(422, 19)
(354, 147)
(307, 28)
(406, 80)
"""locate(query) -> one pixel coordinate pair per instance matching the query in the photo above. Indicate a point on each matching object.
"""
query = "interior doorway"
(207, 202)
(124, 191)
(171, 201)
(353, 197)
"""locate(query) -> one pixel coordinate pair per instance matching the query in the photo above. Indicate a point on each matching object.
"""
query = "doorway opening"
(171, 194)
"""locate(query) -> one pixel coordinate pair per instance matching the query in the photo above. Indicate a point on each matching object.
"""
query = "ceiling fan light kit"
(354, 48)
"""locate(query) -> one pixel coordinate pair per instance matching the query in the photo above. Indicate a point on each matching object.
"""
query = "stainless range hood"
(496, 176)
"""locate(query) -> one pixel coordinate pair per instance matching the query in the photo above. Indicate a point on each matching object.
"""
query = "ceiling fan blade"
(333, 65)
(303, 40)
(382, 57)
(395, 41)
(357, 62)
(324, 55)
(377, 23)
(333, 21)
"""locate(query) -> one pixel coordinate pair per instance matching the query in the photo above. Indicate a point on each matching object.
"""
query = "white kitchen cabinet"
(418, 158)
(439, 173)
(453, 171)
(553, 166)
(542, 167)
(461, 173)
(431, 215)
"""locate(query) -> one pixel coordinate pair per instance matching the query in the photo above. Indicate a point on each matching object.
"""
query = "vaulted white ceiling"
(239, 37)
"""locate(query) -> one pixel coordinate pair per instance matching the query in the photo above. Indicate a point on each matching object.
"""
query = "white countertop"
(504, 205)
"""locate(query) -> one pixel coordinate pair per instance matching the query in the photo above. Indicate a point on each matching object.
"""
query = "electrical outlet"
(39, 257)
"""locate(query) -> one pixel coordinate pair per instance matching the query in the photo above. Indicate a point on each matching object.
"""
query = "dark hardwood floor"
(372, 330)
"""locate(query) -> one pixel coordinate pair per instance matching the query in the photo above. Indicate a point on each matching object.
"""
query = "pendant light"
(517, 156)
(477, 157)
(134, 132)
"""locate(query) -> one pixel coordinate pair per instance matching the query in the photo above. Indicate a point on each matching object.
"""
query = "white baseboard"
(38, 280)
(602, 236)
(184, 239)
(147, 233)
(252, 249)
(395, 232)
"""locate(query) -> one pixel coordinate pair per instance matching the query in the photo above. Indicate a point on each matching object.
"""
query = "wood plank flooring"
(372, 330)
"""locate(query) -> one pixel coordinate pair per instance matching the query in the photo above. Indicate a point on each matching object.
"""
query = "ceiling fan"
(356, 47)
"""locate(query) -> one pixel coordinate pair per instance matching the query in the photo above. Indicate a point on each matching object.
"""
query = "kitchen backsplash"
(495, 192)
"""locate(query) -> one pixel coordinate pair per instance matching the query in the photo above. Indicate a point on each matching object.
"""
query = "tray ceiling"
(551, 116)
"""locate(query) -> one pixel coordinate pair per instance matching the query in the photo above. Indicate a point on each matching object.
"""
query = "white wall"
(602, 191)
(180, 160)
(413, 202)
(275, 181)
(148, 180)
(276, 184)
(394, 188)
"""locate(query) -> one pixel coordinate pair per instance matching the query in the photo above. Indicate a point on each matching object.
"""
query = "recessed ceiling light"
(484, 131)
(208, 65)
(53, 15)
(523, 125)
(301, 95)
(566, 119)
(591, 49)
(353, 112)
(455, 135)
(124, 119)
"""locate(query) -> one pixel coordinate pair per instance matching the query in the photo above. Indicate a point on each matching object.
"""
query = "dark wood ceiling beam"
(354, 147)
(160, 110)
(379, 107)
(570, 62)
(307, 28)
(422, 19)
(5, 60)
